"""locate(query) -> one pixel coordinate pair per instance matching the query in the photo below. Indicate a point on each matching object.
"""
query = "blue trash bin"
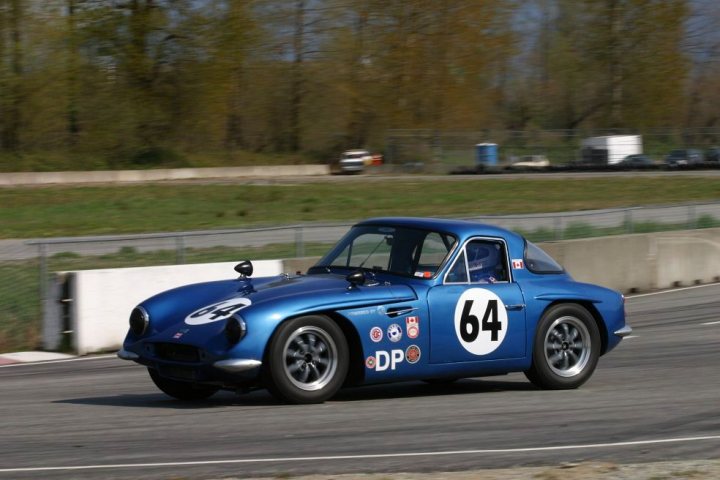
(486, 154)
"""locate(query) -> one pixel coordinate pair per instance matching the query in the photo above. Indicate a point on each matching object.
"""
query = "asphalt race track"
(656, 397)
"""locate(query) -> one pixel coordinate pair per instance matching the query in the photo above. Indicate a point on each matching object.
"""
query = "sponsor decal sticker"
(412, 326)
(370, 362)
(480, 321)
(394, 332)
(217, 311)
(376, 334)
(518, 264)
(388, 360)
(412, 354)
(381, 310)
(181, 333)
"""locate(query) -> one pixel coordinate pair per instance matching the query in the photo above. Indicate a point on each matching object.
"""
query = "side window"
(481, 261)
(537, 261)
(486, 261)
(458, 272)
(433, 251)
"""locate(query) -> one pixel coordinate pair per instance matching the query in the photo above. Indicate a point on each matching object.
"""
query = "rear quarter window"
(537, 261)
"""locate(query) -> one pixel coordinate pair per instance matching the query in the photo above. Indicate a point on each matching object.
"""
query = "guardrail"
(26, 266)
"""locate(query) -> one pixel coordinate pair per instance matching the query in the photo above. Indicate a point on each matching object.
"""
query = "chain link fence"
(27, 268)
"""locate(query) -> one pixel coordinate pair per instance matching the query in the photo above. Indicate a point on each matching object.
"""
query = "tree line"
(121, 79)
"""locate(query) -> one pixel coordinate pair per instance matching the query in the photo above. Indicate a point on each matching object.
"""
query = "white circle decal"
(217, 311)
(394, 332)
(480, 321)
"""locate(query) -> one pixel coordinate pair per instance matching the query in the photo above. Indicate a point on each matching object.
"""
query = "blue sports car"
(396, 299)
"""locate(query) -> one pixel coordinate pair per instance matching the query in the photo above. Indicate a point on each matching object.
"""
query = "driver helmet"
(482, 261)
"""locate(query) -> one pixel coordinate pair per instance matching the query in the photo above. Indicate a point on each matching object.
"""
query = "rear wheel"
(566, 348)
(307, 360)
(182, 390)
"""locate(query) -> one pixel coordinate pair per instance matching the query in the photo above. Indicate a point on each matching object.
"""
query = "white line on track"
(363, 457)
(78, 359)
(672, 291)
(711, 323)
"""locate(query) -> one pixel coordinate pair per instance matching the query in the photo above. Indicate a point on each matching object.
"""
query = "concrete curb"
(31, 357)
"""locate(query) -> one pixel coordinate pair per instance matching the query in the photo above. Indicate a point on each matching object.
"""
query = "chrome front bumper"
(624, 331)
(237, 365)
(125, 355)
(231, 365)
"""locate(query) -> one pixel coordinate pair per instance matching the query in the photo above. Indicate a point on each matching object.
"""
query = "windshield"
(398, 250)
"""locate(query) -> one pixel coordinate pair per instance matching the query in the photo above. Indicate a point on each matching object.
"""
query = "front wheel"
(566, 348)
(307, 360)
(182, 390)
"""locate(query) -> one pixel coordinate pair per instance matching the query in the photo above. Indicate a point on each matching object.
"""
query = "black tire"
(307, 360)
(566, 348)
(182, 390)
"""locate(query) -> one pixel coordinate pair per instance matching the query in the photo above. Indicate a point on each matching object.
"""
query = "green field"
(73, 211)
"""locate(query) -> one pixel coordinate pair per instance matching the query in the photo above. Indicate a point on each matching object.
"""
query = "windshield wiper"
(384, 239)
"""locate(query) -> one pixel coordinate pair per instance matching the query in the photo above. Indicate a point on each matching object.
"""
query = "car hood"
(272, 297)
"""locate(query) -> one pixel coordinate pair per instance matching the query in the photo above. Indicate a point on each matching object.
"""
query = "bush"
(153, 157)
(707, 221)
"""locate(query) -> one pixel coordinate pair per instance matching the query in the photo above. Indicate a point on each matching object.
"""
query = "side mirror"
(244, 268)
(356, 278)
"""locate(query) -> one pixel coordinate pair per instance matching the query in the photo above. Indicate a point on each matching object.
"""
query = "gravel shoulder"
(693, 469)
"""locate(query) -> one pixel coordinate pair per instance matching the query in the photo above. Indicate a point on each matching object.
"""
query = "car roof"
(460, 228)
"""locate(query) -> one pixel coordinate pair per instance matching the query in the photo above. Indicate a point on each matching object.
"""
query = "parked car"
(529, 162)
(396, 299)
(635, 161)
(712, 154)
(355, 161)
(682, 157)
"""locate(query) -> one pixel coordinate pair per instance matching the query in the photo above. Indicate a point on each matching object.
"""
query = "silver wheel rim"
(310, 358)
(567, 346)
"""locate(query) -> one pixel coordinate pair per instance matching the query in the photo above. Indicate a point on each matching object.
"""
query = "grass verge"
(73, 211)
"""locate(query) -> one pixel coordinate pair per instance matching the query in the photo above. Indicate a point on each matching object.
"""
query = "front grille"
(177, 353)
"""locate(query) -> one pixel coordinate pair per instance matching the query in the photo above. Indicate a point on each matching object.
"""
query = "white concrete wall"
(103, 299)
(160, 174)
(642, 262)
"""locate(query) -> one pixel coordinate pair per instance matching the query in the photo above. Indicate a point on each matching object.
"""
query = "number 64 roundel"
(480, 321)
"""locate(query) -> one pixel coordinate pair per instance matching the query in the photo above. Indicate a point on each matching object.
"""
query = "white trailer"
(611, 149)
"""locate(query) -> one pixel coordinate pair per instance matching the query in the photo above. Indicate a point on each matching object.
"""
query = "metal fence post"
(42, 251)
(558, 228)
(628, 221)
(692, 221)
(179, 250)
(299, 243)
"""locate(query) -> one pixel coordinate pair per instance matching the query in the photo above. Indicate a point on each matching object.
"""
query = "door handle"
(397, 311)
(517, 306)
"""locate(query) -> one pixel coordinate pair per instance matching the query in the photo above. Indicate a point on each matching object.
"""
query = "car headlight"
(235, 329)
(139, 321)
